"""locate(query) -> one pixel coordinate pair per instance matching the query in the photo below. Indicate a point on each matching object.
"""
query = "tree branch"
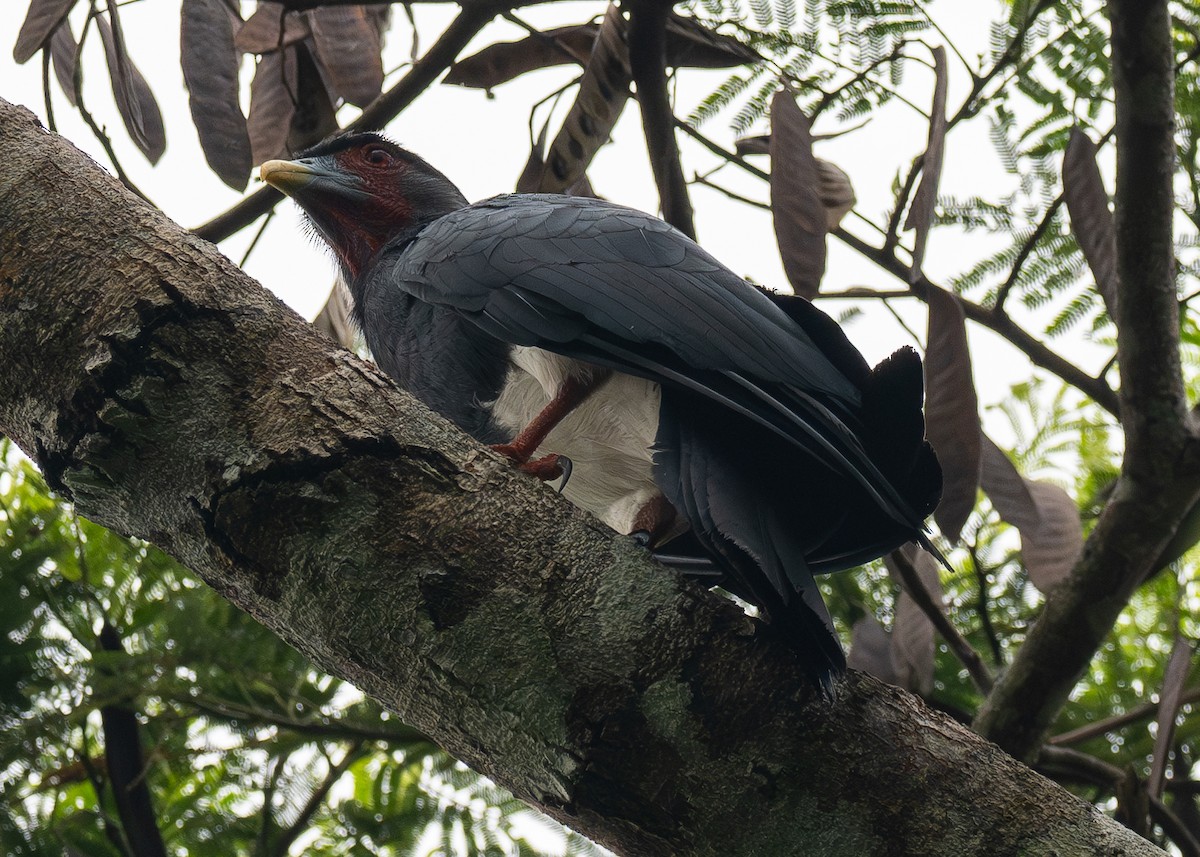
(1111, 724)
(648, 65)
(1073, 766)
(1010, 55)
(1038, 352)
(168, 396)
(287, 836)
(1160, 475)
(933, 610)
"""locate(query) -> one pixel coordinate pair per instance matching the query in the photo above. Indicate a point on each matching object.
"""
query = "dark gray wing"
(617, 287)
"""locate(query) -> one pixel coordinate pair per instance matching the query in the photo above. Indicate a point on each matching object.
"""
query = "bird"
(733, 431)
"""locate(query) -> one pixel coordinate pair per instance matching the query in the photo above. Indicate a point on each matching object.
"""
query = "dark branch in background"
(385, 108)
(648, 64)
(736, 197)
(269, 788)
(971, 104)
(127, 766)
(1153, 402)
(98, 132)
(1026, 251)
(1038, 352)
(1111, 724)
(49, 105)
(829, 97)
(891, 236)
(112, 830)
(720, 152)
(958, 644)
(981, 607)
(945, 38)
(1160, 475)
(1063, 765)
(325, 727)
(289, 835)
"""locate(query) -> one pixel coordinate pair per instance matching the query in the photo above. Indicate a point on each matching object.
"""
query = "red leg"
(569, 396)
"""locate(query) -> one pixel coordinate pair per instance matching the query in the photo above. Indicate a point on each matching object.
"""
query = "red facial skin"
(359, 228)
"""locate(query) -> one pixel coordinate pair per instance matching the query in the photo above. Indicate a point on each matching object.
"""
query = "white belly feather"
(608, 438)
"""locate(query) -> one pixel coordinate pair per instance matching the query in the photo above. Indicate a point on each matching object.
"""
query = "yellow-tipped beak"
(287, 176)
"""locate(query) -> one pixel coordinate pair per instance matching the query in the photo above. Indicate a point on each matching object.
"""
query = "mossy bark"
(172, 398)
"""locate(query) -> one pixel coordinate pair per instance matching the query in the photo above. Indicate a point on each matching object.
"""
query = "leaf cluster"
(247, 747)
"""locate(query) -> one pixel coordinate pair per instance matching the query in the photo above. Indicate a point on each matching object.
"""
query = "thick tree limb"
(170, 397)
(1160, 474)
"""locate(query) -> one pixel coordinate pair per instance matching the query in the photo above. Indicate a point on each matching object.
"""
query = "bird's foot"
(546, 468)
(654, 522)
(549, 467)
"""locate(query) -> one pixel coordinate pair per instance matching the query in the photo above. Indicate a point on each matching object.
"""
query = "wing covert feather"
(628, 273)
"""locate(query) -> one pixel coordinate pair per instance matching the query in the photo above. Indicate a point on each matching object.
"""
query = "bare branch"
(1111, 724)
(1038, 352)
(648, 63)
(958, 644)
(1160, 478)
(292, 832)
(1026, 251)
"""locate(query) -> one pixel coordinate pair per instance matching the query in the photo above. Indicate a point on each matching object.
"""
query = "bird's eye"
(378, 157)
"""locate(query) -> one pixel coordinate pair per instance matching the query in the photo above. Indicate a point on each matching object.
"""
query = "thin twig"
(945, 38)
(720, 152)
(958, 644)
(1026, 251)
(269, 789)
(100, 134)
(701, 180)
(327, 727)
(257, 235)
(828, 98)
(1037, 352)
(1111, 724)
(892, 236)
(903, 324)
(289, 835)
(46, 90)
(981, 607)
(1007, 58)
(882, 86)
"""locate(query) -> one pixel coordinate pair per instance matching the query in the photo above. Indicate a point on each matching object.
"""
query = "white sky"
(482, 144)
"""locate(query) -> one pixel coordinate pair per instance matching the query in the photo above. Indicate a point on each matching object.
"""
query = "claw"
(566, 466)
(547, 467)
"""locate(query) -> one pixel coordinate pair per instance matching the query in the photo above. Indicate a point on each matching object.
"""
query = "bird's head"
(360, 191)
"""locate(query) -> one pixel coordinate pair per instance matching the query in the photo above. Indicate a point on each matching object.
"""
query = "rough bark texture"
(171, 397)
(1160, 475)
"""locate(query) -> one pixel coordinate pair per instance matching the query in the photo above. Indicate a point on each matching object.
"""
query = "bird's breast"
(608, 437)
